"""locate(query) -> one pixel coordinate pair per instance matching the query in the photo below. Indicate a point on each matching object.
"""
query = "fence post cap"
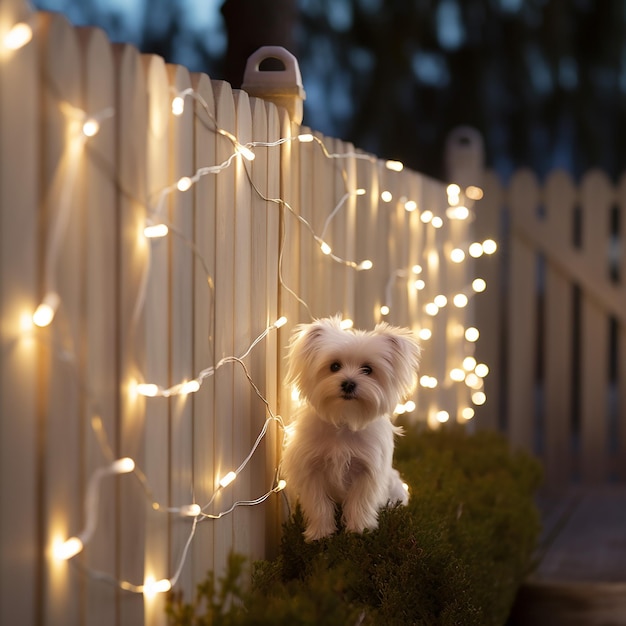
(464, 156)
(283, 87)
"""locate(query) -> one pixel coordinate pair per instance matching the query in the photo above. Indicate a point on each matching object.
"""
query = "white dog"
(341, 447)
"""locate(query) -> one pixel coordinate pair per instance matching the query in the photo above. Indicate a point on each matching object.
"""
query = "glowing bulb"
(91, 127)
(281, 321)
(384, 310)
(18, 36)
(360, 192)
(346, 324)
(467, 413)
(416, 269)
(155, 231)
(67, 549)
(44, 314)
(453, 189)
(430, 382)
(410, 206)
(395, 166)
(224, 482)
(489, 246)
(479, 398)
(295, 395)
(190, 387)
(400, 409)
(457, 375)
(426, 216)
(473, 192)
(190, 510)
(481, 370)
(472, 334)
(469, 363)
(431, 309)
(184, 183)
(365, 265)
(442, 416)
(152, 587)
(476, 250)
(326, 249)
(473, 382)
(457, 212)
(305, 138)
(437, 222)
(460, 300)
(479, 285)
(178, 105)
(440, 300)
(425, 334)
(124, 465)
(386, 196)
(409, 406)
(419, 284)
(148, 389)
(245, 152)
(281, 485)
(457, 255)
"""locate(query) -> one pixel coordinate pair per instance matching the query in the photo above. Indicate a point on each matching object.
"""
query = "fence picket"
(620, 380)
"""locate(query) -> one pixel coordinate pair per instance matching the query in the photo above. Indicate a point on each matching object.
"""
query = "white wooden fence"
(87, 451)
(556, 313)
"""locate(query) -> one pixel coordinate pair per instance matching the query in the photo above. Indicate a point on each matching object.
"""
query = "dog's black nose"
(348, 386)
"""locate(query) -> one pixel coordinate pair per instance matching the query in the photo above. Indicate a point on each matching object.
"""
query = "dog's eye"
(335, 366)
(366, 369)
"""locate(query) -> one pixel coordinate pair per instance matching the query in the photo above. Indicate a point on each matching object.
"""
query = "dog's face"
(352, 377)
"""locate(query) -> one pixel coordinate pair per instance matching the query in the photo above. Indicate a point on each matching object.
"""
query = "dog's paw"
(317, 531)
(357, 523)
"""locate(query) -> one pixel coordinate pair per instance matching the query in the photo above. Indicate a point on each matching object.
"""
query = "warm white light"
(410, 206)
(440, 300)
(346, 323)
(245, 152)
(148, 389)
(473, 192)
(425, 334)
(481, 370)
(431, 309)
(360, 192)
(426, 216)
(44, 314)
(430, 382)
(457, 375)
(18, 36)
(400, 409)
(178, 105)
(489, 246)
(124, 465)
(155, 231)
(386, 196)
(476, 250)
(67, 549)
(457, 212)
(453, 189)
(437, 222)
(184, 183)
(152, 587)
(91, 127)
(190, 510)
(405, 487)
(457, 255)
(409, 406)
(281, 321)
(326, 249)
(467, 413)
(419, 284)
(224, 482)
(281, 485)
(460, 300)
(469, 363)
(442, 416)
(384, 310)
(365, 265)
(395, 166)
(473, 382)
(416, 269)
(472, 334)
(479, 398)
(190, 387)
(305, 138)
(479, 285)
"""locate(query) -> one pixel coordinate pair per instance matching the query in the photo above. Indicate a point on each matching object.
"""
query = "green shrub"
(455, 555)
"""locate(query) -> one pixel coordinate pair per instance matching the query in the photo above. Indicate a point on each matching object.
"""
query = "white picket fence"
(556, 313)
(243, 250)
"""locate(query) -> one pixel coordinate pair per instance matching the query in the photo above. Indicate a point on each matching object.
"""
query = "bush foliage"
(455, 555)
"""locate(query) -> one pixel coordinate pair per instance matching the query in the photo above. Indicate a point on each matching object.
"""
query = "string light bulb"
(91, 127)
(467, 413)
(460, 300)
(65, 550)
(45, 312)
(442, 416)
(489, 246)
(472, 334)
(178, 105)
(386, 196)
(227, 479)
(410, 206)
(395, 166)
(479, 285)
(155, 231)
(457, 255)
(425, 334)
(18, 36)
(384, 310)
(153, 587)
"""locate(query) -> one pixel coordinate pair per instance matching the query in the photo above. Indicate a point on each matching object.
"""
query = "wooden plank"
(595, 204)
(204, 320)
(133, 260)
(20, 467)
(558, 334)
(62, 162)
(621, 339)
(523, 199)
(224, 320)
(100, 288)
(181, 324)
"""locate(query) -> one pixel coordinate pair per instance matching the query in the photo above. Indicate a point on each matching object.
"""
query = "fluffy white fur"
(341, 444)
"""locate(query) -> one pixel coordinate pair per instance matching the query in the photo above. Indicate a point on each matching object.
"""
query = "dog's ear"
(405, 352)
(302, 348)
